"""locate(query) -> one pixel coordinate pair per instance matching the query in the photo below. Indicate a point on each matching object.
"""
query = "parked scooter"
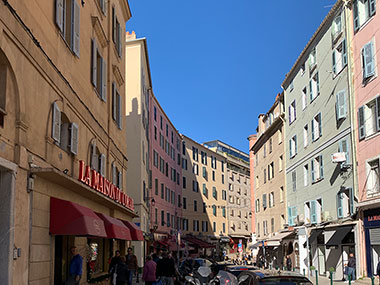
(204, 276)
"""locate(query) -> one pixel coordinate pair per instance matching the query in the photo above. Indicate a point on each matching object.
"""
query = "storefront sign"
(372, 218)
(97, 182)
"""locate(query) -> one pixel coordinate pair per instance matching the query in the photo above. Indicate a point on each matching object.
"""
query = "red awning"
(68, 218)
(115, 228)
(136, 233)
(198, 242)
(160, 243)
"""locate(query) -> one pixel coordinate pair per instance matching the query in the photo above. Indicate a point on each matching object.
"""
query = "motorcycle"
(204, 276)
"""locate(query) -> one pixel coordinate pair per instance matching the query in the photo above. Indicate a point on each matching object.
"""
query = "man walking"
(114, 261)
(166, 270)
(352, 266)
(131, 265)
(75, 269)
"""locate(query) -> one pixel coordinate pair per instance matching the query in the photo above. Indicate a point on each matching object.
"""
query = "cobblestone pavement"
(326, 281)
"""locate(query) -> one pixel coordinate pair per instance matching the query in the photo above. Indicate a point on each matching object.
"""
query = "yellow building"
(62, 138)
(204, 194)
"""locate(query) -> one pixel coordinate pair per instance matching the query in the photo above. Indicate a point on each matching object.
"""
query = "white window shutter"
(341, 108)
(377, 115)
(311, 90)
(290, 148)
(74, 138)
(368, 60)
(339, 205)
(75, 31)
(114, 101)
(59, 14)
(104, 80)
(361, 123)
(312, 171)
(94, 51)
(102, 167)
(312, 130)
(56, 124)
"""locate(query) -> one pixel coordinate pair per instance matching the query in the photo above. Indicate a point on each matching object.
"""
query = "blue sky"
(217, 64)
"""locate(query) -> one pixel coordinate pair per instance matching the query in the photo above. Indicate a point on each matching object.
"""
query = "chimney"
(130, 36)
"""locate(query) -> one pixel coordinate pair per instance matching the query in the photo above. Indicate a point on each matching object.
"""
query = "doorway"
(321, 251)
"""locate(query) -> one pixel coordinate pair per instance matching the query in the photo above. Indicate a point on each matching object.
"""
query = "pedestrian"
(114, 260)
(288, 263)
(121, 271)
(378, 270)
(75, 269)
(157, 257)
(131, 265)
(149, 272)
(166, 270)
(352, 266)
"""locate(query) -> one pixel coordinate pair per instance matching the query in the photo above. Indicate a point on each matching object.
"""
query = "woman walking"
(149, 273)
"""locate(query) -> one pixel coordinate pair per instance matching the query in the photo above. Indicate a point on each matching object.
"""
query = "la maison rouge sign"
(97, 182)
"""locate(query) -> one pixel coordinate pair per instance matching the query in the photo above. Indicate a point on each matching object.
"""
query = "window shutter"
(361, 123)
(74, 138)
(356, 16)
(290, 115)
(104, 6)
(320, 124)
(312, 130)
(264, 200)
(378, 113)
(75, 28)
(333, 61)
(339, 205)
(344, 53)
(372, 7)
(311, 90)
(113, 24)
(120, 180)
(343, 147)
(290, 148)
(120, 43)
(313, 212)
(320, 167)
(102, 167)
(114, 101)
(119, 119)
(94, 157)
(113, 173)
(290, 218)
(369, 64)
(312, 171)
(294, 214)
(93, 62)
(59, 14)
(295, 144)
(317, 81)
(352, 198)
(56, 124)
(104, 80)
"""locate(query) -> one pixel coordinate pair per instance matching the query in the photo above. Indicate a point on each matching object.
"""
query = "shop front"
(372, 239)
(69, 212)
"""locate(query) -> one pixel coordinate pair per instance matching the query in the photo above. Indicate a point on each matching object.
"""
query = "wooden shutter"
(114, 107)
(295, 144)
(56, 124)
(119, 118)
(377, 115)
(120, 42)
(356, 16)
(341, 108)
(94, 157)
(372, 7)
(104, 81)
(333, 61)
(74, 138)
(94, 51)
(320, 124)
(311, 90)
(120, 180)
(344, 53)
(339, 205)
(321, 167)
(59, 14)
(368, 60)
(102, 167)
(312, 171)
(361, 123)
(75, 28)
(313, 212)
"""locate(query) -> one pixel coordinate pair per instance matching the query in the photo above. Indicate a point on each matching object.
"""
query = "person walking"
(149, 272)
(131, 265)
(378, 270)
(166, 270)
(352, 266)
(75, 268)
(114, 260)
(288, 263)
(121, 271)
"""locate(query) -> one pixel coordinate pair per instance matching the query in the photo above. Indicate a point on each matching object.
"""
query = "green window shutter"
(317, 80)
(368, 61)
(320, 124)
(74, 130)
(290, 148)
(321, 167)
(339, 205)
(311, 90)
(356, 16)
(56, 123)
(361, 123)
(290, 218)
(295, 141)
(312, 130)
(313, 212)
(344, 52)
(294, 214)
(333, 62)
(312, 171)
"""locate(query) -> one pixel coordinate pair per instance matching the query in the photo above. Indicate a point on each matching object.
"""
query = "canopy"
(115, 228)
(314, 235)
(69, 218)
(198, 242)
(339, 235)
(136, 233)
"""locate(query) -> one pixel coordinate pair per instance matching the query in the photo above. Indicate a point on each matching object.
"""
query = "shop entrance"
(321, 260)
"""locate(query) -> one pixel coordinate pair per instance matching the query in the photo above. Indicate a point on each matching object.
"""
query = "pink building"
(366, 91)
(166, 144)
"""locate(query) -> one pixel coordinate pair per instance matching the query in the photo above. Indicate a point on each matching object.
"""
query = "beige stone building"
(238, 195)
(62, 138)
(269, 168)
(204, 193)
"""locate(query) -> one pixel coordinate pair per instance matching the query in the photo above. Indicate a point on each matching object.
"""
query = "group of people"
(123, 268)
(158, 269)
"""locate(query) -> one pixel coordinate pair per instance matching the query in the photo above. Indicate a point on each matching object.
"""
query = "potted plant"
(332, 272)
(312, 269)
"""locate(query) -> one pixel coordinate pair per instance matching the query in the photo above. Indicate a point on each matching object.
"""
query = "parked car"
(272, 277)
(237, 269)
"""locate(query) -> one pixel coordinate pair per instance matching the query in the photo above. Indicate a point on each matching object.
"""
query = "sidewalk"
(322, 280)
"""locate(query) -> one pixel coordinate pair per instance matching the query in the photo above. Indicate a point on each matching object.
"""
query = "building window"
(117, 30)
(292, 216)
(373, 179)
(184, 182)
(213, 177)
(99, 72)
(279, 136)
(368, 61)
(271, 171)
(205, 226)
(195, 186)
(68, 21)
(214, 210)
(213, 162)
(362, 11)
(305, 135)
(264, 201)
(339, 57)
(272, 225)
(303, 68)
(222, 165)
(184, 203)
(344, 147)
(281, 194)
(162, 191)
(162, 218)
(305, 174)
(224, 195)
(195, 154)
(336, 29)
(314, 87)
(214, 226)
(214, 193)
(195, 169)
(116, 106)
(257, 182)
(293, 146)
(195, 206)
(292, 112)
(204, 157)
(316, 127)
(369, 118)
(304, 98)
(224, 227)
(312, 60)
(271, 199)
(270, 145)
(294, 181)
(345, 203)
(156, 186)
(204, 172)
(224, 212)
(258, 229)
(316, 169)
(265, 227)
(265, 175)
(341, 105)
(205, 190)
